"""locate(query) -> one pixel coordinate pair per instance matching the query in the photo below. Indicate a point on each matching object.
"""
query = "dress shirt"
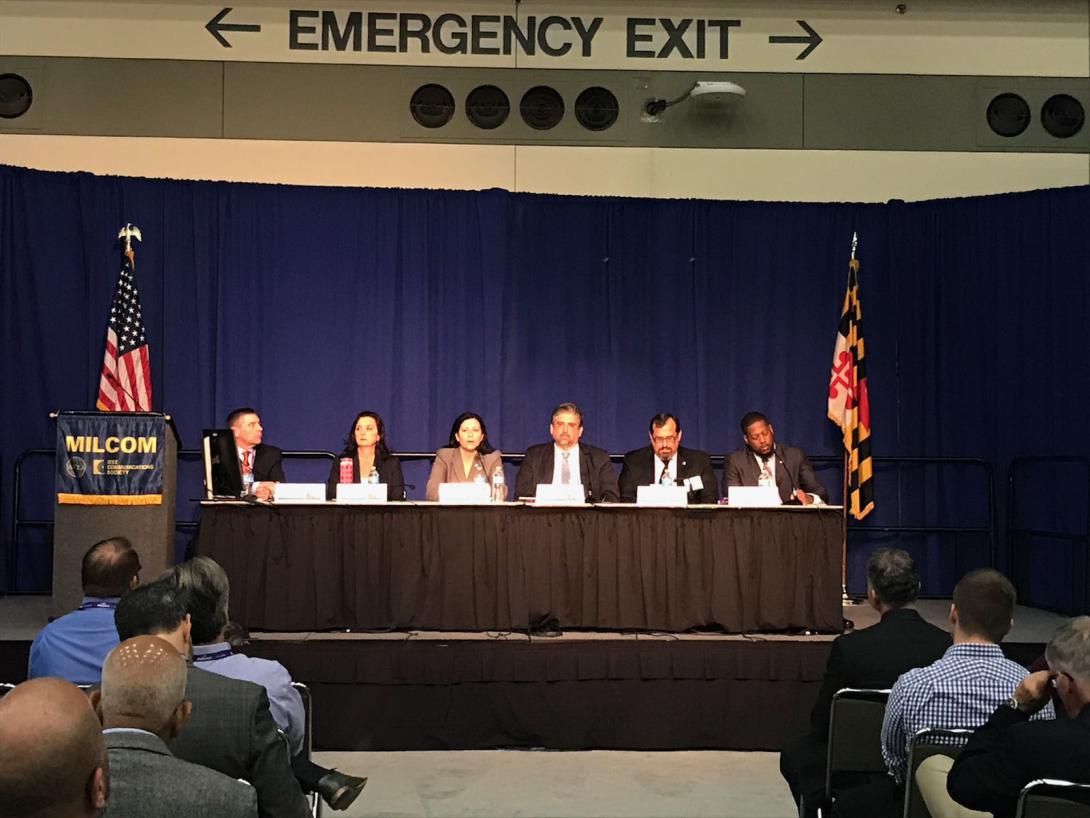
(961, 689)
(74, 646)
(573, 465)
(285, 703)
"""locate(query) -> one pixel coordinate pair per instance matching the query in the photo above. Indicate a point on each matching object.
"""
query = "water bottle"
(247, 483)
(499, 485)
(373, 477)
(347, 475)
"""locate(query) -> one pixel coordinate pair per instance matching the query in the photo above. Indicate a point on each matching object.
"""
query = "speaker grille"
(1008, 115)
(542, 108)
(596, 109)
(16, 96)
(432, 106)
(1062, 116)
(487, 107)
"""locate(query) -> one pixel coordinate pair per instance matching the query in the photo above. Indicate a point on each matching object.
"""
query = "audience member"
(960, 690)
(1009, 750)
(230, 729)
(52, 760)
(870, 658)
(74, 646)
(143, 706)
(207, 592)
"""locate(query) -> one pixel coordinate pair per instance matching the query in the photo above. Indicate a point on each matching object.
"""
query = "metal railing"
(1018, 537)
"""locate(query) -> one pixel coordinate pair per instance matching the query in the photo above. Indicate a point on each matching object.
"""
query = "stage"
(429, 690)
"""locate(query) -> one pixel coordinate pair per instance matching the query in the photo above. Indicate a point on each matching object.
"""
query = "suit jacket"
(792, 466)
(639, 470)
(389, 472)
(595, 470)
(268, 465)
(1009, 751)
(146, 781)
(447, 468)
(231, 730)
(875, 657)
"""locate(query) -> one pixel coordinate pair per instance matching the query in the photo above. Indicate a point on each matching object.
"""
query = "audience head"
(367, 430)
(665, 431)
(758, 434)
(111, 568)
(205, 590)
(892, 579)
(52, 756)
(143, 686)
(566, 425)
(469, 432)
(1068, 657)
(983, 606)
(245, 425)
(155, 609)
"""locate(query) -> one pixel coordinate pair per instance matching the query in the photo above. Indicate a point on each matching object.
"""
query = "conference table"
(515, 567)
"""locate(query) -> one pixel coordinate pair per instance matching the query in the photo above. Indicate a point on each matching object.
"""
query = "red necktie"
(247, 458)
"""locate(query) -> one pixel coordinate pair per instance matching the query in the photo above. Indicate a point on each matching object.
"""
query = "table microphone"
(787, 471)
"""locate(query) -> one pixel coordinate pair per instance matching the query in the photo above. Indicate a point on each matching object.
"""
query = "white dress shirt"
(573, 465)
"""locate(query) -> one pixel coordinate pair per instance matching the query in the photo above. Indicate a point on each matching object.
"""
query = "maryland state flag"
(849, 407)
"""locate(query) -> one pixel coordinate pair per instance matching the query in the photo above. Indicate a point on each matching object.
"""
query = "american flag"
(125, 385)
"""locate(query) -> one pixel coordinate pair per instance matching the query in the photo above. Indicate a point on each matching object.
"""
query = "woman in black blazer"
(366, 445)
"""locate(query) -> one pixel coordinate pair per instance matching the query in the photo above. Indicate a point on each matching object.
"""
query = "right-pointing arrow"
(812, 38)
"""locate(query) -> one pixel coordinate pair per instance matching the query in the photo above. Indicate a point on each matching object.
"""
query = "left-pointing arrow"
(216, 25)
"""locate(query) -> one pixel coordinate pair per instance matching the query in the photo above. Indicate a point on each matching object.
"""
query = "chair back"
(925, 743)
(313, 798)
(1053, 798)
(855, 734)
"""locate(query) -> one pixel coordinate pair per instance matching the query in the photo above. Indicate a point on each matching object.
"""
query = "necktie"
(565, 469)
(247, 461)
(664, 478)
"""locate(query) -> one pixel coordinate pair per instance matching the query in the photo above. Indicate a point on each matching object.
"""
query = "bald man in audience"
(52, 759)
(143, 706)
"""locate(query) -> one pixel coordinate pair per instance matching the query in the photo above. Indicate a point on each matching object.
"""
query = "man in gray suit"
(52, 761)
(143, 706)
(231, 729)
(763, 461)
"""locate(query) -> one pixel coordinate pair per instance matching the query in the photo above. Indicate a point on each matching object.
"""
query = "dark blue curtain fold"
(314, 303)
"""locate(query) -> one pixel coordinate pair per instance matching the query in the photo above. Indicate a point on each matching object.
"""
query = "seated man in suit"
(764, 462)
(52, 759)
(230, 729)
(1009, 750)
(74, 646)
(870, 658)
(567, 461)
(260, 459)
(687, 467)
(143, 706)
(206, 589)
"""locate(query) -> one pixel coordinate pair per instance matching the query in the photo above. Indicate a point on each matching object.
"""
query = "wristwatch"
(1014, 704)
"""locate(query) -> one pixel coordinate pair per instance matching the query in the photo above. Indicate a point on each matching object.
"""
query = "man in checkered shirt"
(961, 689)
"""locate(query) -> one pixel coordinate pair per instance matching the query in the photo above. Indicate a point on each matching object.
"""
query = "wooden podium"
(150, 528)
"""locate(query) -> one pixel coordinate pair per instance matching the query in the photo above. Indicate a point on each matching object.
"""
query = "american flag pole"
(125, 382)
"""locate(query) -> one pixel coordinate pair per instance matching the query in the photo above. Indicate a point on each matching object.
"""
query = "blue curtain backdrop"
(313, 303)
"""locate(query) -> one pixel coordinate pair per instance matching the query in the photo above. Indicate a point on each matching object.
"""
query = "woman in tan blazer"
(468, 456)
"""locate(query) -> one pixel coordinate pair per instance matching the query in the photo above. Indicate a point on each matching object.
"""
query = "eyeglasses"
(660, 441)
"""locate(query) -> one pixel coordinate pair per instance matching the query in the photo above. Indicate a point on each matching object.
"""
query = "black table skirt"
(301, 568)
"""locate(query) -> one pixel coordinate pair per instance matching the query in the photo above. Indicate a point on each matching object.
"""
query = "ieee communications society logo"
(76, 467)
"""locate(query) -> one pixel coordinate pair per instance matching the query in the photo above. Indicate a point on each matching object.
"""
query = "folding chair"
(1053, 798)
(308, 742)
(855, 738)
(930, 741)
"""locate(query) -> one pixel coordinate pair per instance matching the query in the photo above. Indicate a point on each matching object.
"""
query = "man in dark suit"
(762, 459)
(686, 467)
(870, 658)
(1009, 751)
(143, 706)
(263, 460)
(568, 461)
(231, 729)
(52, 759)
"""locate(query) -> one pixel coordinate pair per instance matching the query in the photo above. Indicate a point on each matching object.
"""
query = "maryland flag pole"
(849, 406)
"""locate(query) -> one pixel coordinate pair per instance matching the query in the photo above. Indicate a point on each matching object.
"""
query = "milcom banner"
(110, 459)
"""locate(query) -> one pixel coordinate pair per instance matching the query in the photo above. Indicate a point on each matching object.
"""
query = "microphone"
(787, 471)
